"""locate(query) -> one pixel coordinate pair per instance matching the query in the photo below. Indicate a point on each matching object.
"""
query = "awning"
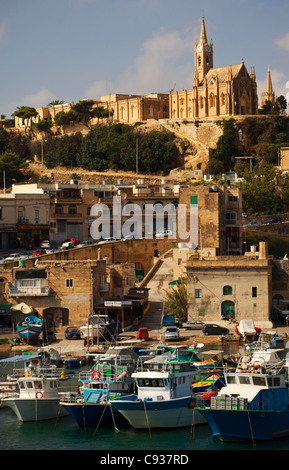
(4, 308)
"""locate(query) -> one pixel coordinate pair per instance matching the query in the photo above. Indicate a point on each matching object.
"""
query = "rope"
(104, 408)
(193, 426)
(147, 419)
(113, 420)
(251, 430)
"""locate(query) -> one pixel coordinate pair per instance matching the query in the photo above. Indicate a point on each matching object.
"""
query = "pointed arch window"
(199, 61)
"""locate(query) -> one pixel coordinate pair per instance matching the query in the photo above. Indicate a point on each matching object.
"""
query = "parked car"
(253, 223)
(39, 252)
(74, 241)
(142, 333)
(12, 257)
(164, 233)
(45, 244)
(275, 220)
(193, 325)
(172, 332)
(72, 332)
(84, 243)
(66, 245)
(214, 329)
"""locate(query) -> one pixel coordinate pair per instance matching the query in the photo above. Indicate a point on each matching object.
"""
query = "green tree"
(260, 191)
(176, 300)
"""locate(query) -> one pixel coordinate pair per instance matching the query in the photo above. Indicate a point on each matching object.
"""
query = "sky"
(83, 49)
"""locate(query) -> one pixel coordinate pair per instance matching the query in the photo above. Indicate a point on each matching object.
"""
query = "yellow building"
(221, 91)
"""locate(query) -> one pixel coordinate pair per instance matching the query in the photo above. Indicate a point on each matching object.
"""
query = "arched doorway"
(228, 309)
(54, 317)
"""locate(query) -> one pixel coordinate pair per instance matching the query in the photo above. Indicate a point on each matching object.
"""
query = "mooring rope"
(251, 430)
(147, 418)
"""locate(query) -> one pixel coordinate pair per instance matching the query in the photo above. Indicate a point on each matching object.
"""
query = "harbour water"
(64, 434)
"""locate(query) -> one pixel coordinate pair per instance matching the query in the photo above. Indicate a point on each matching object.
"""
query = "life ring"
(39, 395)
(95, 375)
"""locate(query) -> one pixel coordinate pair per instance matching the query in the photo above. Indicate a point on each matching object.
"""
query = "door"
(228, 309)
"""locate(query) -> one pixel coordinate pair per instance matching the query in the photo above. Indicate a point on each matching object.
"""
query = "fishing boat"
(109, 378)
(29, 328)
(253, 404)
(164, 396)
(39, 394)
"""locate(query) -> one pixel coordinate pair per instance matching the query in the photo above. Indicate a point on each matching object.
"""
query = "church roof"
(222, 72)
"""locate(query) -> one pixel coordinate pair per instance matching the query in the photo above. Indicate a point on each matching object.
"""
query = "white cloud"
(283, 43)
(161, 64)
(36, 100)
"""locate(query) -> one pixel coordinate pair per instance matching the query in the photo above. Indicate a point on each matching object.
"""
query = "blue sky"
(75, 49)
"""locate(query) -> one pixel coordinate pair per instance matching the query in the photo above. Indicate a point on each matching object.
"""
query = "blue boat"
(108, 379)
(30, 327)
(253, 405)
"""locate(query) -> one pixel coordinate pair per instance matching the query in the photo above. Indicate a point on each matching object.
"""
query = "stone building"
(218, 230)
(235, 286)
(136, 108)
(216, 91)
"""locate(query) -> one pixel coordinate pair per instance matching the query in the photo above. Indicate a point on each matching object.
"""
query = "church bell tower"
(203, 56)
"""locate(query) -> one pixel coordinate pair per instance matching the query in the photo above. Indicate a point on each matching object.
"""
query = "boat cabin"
(251, 390)
(38, 387)
(164, 383)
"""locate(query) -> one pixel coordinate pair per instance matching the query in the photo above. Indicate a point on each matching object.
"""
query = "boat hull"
(174, 413)
(242, 425)
(93, 414)
(36, 410)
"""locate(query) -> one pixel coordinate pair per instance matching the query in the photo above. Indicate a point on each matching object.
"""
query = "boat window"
(243, 379)
(230, 379)
(38, 384)
(21, 384)
(29, 384)
(150, 383)
(259, 380)
(273, 381)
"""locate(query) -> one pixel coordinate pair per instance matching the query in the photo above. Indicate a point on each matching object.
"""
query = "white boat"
(94, 328)
(8, 388)
(38, 397)
(164, 398)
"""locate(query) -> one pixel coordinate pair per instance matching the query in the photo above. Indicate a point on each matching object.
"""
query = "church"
(221, 91)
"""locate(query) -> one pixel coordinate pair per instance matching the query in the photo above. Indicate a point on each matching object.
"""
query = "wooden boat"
(30, 327)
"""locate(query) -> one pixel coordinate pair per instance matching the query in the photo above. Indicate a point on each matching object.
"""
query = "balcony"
(29, 291)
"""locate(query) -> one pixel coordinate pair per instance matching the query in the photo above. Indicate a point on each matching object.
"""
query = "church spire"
(269, 87)
(269, 94)
(203, 55)
(203, 35)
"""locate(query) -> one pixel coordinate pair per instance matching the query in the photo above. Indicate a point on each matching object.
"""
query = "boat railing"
(47, 372)
(107, 373)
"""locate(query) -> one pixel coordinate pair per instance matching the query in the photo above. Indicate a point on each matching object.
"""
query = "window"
(199, 60)
(1, 213)
(198, 293)
(227, 290)
(254, 291)
(72, 210)
(207, 61)
(69, 282)
(36, 214)
(58, 210)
